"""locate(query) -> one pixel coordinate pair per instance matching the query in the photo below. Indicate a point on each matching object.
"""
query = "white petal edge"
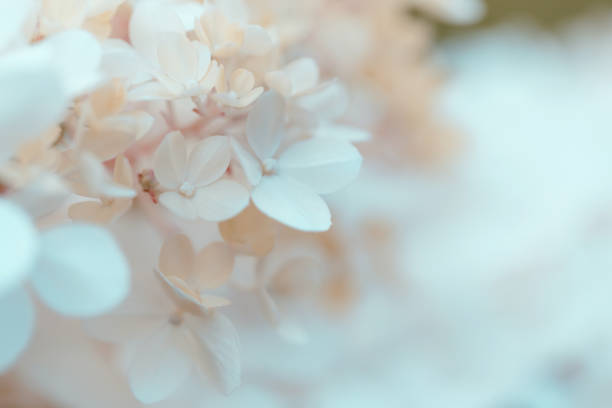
(292, 204)
(221, 200)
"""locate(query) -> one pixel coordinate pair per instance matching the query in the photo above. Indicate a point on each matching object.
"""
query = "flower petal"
(213, 266)
(179, 205)
(325, 165)
(177, 257)
(303, 74)
(160, 365)
(208, 160)
(342, 132)
(81, 271)
(220, 341)
(328, 101)
(292, 204)
(17, 320)
(257, 41)
(250, 232)
(12, 18)
(18, 245)
(265, 124)
(170, 160)
(221, 200)
(177, 57)
(249, 163)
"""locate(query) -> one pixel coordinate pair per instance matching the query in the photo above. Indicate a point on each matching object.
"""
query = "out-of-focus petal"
(256, 41)
(303, 74)
(17, 322)
(159, 366)
(124, 327)
(177, 257)
(81, 270)
(12, 18)
(180, 206)
(221, 200)
(264, 124)
(323, 165)
(208, 160)
(170, 160)
(292, 204)
(219, 340)
(328, 101)
(18, 246)
(342, 132)
(249, 232)
(213, 266)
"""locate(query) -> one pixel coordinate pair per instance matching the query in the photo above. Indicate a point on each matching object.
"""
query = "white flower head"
(195, 181)
(286, 185)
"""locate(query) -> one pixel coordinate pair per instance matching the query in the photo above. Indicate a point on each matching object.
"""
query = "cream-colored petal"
(303, 74)
(180, 206)
(122, 173)
(221, 200)
(213, 266)
(177, 257)
(170, 161)
(242, 81)
(256, 41)
(177, 57)
(250, 232)
(208, 160)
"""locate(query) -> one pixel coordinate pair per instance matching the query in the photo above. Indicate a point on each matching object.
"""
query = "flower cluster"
(208, 131)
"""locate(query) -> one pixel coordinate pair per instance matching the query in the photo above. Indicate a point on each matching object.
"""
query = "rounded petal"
(148, 19)
(221, 345)
(328, 101)
(221, 200)
(257, 41)
(249, 232)
(249, 163)
(81, 271)
(242, 81)
(180, 206)
(31, 88)
(160, 365)
(17, 320)
(12, 19)
(213, 266)
(91, 211)
(170, 160)
(303, 74)
(18, 246)
(265, 124)
(292, 204)
(325, 165)
(208, 160)
(177, 57)
(177, 257)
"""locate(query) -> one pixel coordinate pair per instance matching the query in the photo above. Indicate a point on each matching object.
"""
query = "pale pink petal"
(90, 211)
(204, 59)
(324, 165)
(213, 266)
(17, 322)
(265, 124)
(159, 365)
(249, 163)
(180, 206)
(221, 200)
(150, 91)
(242, 81)
(170, 161)
(292, 204)
(81, 270)
(122, 174)
(208, 160)
(177, 257)
(220, 342)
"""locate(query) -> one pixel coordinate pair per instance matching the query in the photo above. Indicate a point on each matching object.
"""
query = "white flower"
(190, 273)
(108, 208)
(196, 183)
(170, 336)
(242, 91)
(76, 270)
(228, 37)
(294, 79)
(286, 186)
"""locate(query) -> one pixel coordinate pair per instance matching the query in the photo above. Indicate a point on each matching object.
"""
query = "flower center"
(269, 166)
(187, 189)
